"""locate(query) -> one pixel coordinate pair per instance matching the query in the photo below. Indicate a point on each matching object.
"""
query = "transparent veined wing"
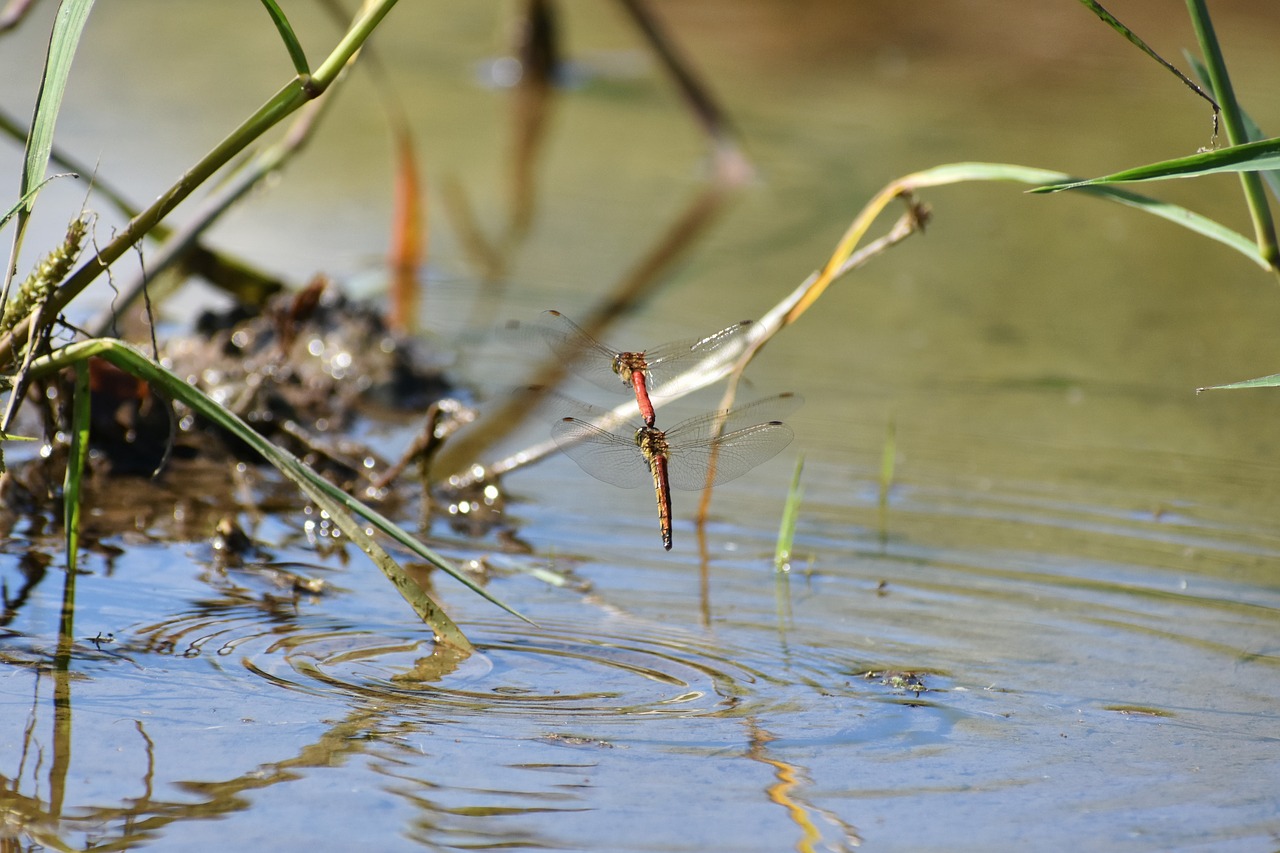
(607, 456)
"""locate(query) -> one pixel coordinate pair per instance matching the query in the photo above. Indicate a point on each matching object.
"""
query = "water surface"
(1060, 632)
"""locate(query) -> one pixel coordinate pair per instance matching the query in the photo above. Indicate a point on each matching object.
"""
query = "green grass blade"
(1134, 39)
(1261, 382)
(291, 43)
(67, 27)
(79, 452)
(790, 514)
(1179, 215)
(1041, 179)
(1249, 157)
(27, 200)
(426, 608)
(336, 503)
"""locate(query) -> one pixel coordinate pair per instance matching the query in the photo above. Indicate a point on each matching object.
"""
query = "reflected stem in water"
(136, 819)
(782, 604)
(704, 575)
(149, 779)
(785, 792)
(62, 697)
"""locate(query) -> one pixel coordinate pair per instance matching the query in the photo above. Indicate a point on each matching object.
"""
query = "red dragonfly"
(662, 371)
(681, 456)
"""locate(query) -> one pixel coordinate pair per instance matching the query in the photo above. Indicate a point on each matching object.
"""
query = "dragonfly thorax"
(627, 364)
(652, 442)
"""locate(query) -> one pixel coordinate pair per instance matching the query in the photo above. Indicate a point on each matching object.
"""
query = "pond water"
(1060, 631)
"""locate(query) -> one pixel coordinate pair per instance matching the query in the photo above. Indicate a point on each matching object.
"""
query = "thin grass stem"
(790, 514)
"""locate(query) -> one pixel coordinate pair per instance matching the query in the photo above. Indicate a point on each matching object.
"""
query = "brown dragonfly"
(682, 456)
(662, 371)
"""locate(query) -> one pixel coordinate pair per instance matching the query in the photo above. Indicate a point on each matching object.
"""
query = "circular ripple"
(603, 666)
(560, 670)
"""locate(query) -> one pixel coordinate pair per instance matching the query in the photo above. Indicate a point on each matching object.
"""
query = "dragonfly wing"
(704, 426)
(563, 406)
(732, 455)
(581, 353)
(608, 457)
(682, 365)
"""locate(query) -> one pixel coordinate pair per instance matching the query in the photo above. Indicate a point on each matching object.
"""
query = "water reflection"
(318, 691)
(788, 792)
(549, 673)
(387, 730)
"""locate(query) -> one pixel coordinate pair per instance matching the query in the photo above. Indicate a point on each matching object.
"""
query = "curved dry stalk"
(729, 361)
(842, 261)
(846, 258)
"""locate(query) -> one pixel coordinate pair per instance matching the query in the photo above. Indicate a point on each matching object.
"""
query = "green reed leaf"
(81, 408)
(65, 38)
(291, 43)
(1045, 179)
(1249, 157)
(1261, 382)
(68, 24)
(29, 198)
(790, 514)
(1252, 131)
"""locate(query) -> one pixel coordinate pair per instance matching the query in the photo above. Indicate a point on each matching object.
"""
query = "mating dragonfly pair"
(703, 451)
